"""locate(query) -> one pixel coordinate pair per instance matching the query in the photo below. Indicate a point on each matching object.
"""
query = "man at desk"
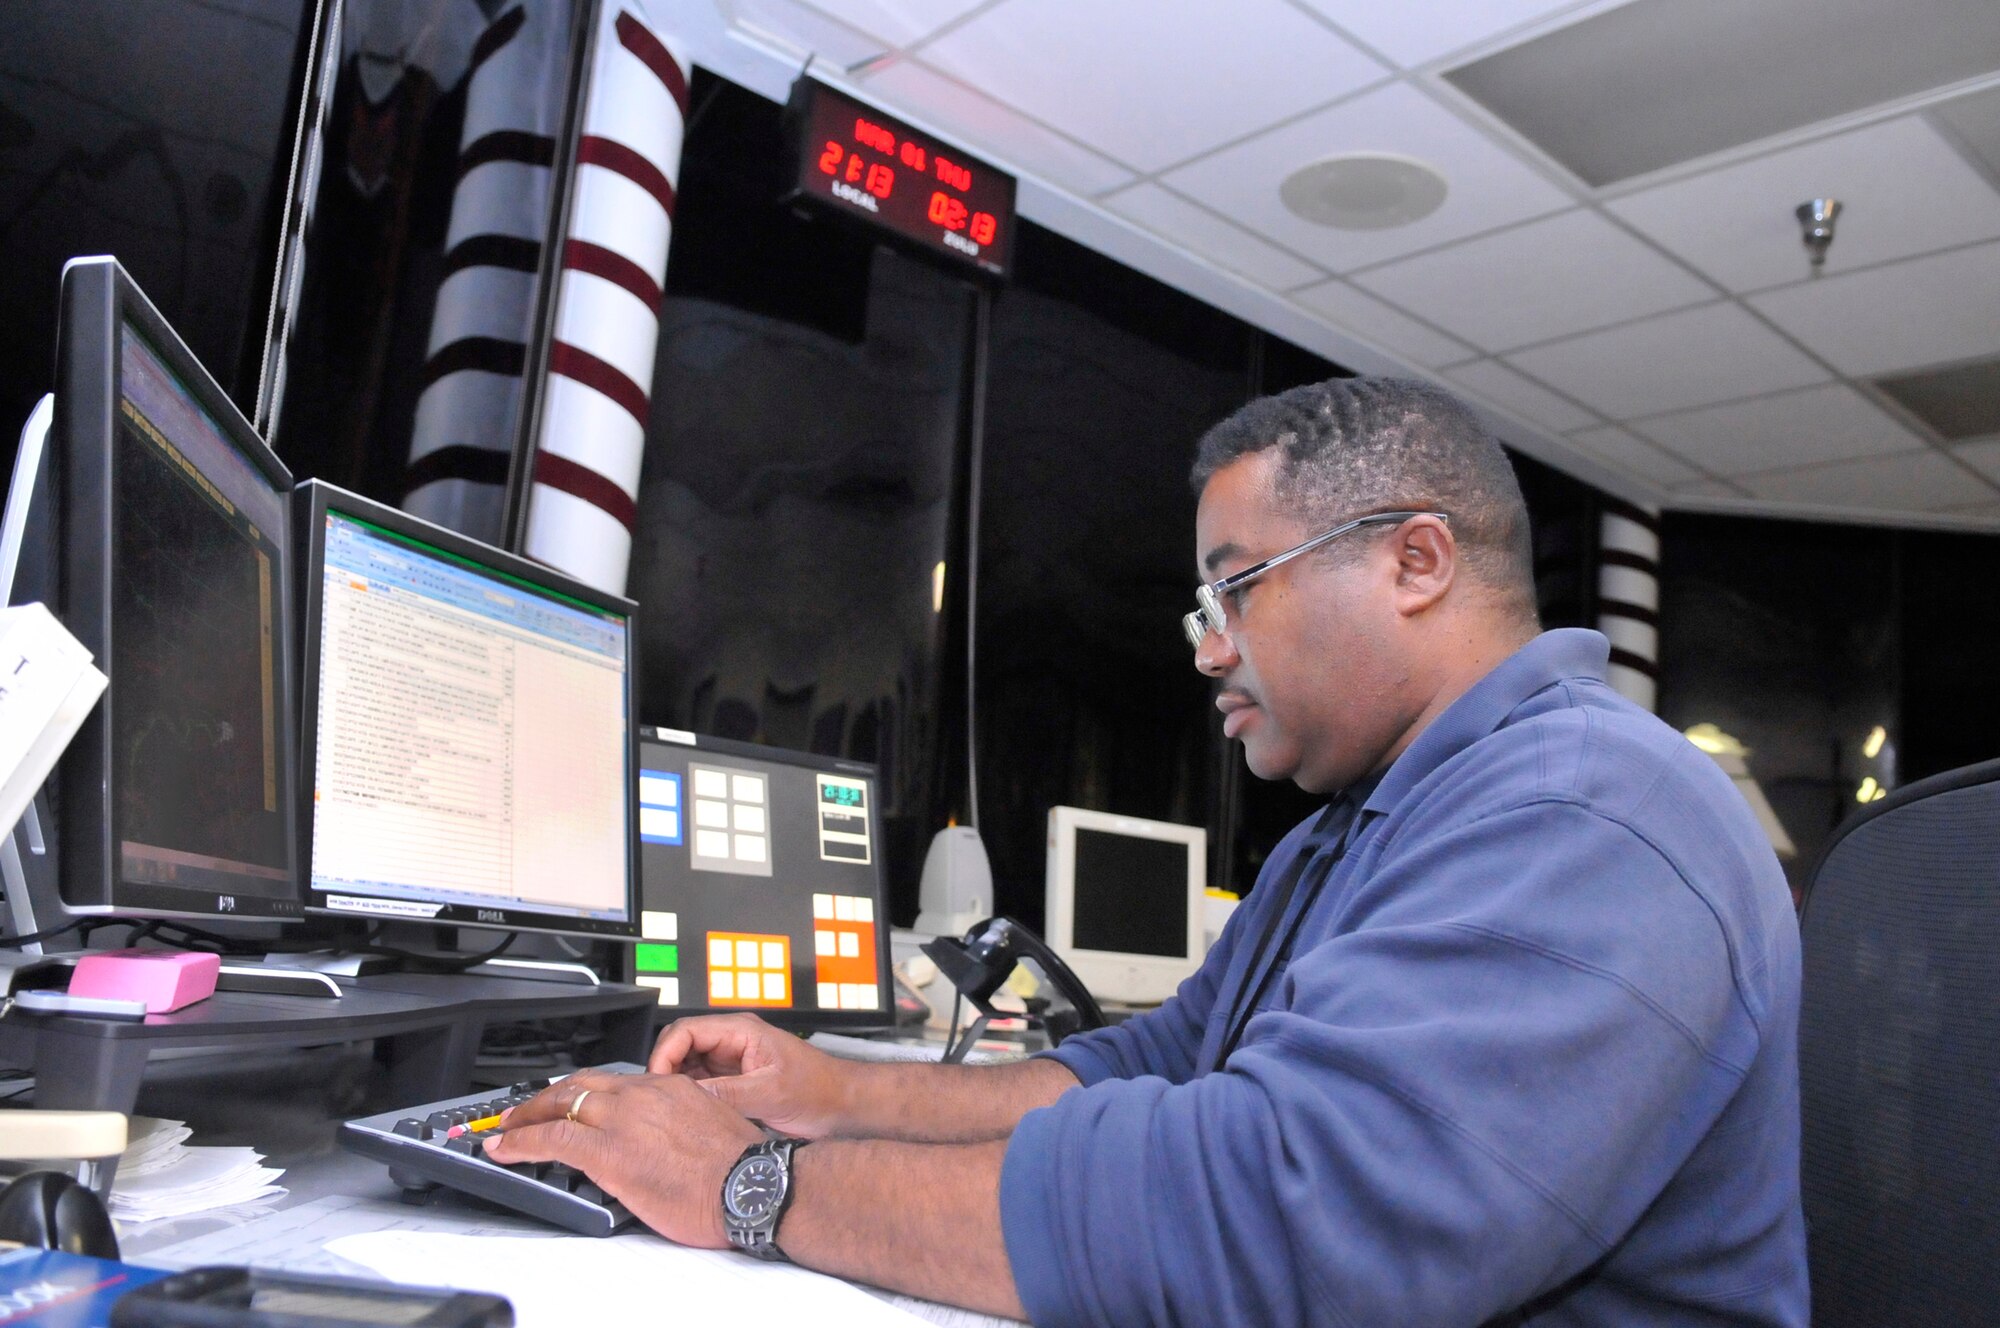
(1506, 1033)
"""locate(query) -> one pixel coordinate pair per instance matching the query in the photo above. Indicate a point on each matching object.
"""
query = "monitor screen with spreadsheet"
(761, 883)
(468, 738)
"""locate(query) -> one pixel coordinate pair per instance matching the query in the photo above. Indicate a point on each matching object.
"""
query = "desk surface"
(288, 1105)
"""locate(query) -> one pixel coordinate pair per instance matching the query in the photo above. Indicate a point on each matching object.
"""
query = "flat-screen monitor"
(168, 515)
(1125, 901)
(468, 744)
(762, 879)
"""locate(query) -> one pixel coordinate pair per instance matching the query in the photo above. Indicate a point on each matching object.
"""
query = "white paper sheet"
(630, 1279)
(314, 1238)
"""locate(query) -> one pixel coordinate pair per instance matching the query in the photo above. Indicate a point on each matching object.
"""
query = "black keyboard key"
(412, 1128)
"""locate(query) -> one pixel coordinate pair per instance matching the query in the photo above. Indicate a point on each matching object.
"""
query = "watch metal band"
(759, 1239)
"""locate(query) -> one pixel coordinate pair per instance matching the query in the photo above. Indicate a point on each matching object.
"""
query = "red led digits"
(947, 212)
(880, 181)
(983, 228)
(829, 158)
(914, 156)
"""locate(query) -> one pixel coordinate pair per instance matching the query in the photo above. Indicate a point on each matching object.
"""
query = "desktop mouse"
(52, 1211)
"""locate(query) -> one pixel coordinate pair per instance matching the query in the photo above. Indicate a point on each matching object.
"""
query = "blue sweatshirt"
(1533, 1057)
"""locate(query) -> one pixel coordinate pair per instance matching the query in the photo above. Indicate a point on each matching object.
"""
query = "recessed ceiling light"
(1364, 191)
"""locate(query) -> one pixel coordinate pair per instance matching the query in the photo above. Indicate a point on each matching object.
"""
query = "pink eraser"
(164, 979)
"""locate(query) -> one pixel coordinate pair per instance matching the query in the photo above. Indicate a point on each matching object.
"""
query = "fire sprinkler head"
(1816, 220)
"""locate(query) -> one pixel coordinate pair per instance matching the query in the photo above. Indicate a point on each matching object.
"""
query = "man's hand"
(657, 1144)
(763, 1072)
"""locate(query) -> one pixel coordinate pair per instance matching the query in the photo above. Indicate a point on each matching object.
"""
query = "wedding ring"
(575, 1106)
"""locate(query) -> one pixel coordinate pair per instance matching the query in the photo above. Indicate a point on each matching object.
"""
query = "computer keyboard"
(441, 1143)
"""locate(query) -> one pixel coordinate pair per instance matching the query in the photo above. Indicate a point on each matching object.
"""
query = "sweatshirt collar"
(1566, 652)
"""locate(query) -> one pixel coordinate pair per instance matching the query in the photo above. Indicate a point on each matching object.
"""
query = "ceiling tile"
(1708, 489)
(1956, 403)
(1634, 456)
(1974, 120)
(1511, 392)
(1983, 456)
(1647, 84)
(1923, 311)
(1153, 82)
(1547, 279)
(1923, 481)
(1487, 186)
(1364, 316)
(1694, 357)
(1902, 189)
(1202, 232)
(805, 31)
(992, 130)
(1832, 422)
(1415, 32)
(898, 23)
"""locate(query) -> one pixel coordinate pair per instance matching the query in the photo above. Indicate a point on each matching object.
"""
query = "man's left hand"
(656, 1143)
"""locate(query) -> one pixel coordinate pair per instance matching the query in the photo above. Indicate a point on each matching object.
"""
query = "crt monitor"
(168, 518)
(467, 727)
(1125, 901)
(763, 884)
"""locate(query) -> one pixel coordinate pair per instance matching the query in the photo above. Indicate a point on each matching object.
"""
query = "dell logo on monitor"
(491, 915)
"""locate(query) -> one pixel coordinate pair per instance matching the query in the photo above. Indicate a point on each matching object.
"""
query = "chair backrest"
(1899, 1059)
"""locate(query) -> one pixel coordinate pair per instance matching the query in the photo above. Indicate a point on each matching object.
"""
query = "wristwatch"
(755, 1195)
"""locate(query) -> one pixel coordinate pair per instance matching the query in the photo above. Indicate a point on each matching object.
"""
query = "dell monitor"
(167, 517)
(467, 729)
(762, 883)
(1125, 902)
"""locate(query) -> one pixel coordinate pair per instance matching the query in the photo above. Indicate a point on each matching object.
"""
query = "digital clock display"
(876, 168)
(840, 795)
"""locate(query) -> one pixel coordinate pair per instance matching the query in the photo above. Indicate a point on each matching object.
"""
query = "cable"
(423, 963)
(83, 925)
(982, 335)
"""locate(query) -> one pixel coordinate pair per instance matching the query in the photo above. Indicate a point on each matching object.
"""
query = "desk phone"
(442, 1143)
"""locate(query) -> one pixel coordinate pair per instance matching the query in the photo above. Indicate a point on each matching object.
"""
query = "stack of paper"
(159, 1176)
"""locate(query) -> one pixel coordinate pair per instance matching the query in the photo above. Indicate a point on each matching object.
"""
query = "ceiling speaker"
(1364, 191)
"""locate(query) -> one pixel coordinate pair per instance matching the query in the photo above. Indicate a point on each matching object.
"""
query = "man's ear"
(1426, 564)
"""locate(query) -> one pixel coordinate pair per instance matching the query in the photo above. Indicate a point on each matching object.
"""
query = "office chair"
(1899, 1059)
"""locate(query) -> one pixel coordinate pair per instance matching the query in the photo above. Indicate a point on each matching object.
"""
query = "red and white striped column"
(583, 503)
(1628, 599)
(465, 420)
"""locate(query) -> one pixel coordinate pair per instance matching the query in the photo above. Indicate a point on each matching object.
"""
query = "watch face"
(755, 1188)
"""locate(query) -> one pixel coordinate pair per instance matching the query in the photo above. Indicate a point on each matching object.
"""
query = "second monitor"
(468, 729)
(762, 883)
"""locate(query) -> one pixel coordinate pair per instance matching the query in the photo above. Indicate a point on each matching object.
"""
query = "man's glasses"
(1209, 616)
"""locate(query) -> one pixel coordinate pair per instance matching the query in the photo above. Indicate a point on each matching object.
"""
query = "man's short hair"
(1352, 446)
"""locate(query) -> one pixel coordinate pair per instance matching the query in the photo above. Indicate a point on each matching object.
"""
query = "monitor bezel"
(98, 298)
(1136, 979)
(796, 1018)
(311, 503)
